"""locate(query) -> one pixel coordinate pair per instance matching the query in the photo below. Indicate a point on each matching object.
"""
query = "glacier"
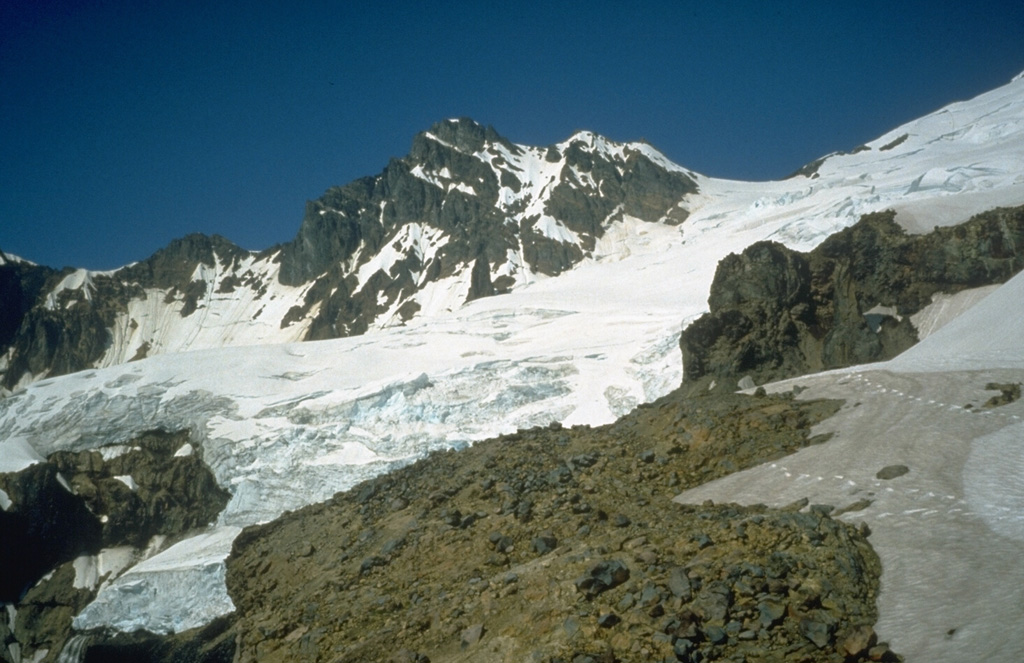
(289, 424)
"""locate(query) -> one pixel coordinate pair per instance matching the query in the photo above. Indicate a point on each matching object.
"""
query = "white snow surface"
(248, 315)
(16, 454)
(171, 592)
(287, 424)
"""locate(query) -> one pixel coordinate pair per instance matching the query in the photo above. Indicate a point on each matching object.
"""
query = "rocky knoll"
(777, 313)
(64, 511)
(562, 545)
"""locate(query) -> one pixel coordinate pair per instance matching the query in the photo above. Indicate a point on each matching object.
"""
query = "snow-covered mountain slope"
(950, 530)
(466, 214)
(286, 424)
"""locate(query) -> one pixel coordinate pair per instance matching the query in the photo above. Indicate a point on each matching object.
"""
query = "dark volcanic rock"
(20, 286)
(891, 472)
(1008, 393)
(602, 577)
(776, 313)
(171, 494)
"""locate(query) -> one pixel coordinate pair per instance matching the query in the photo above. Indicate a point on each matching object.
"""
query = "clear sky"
(126, 124)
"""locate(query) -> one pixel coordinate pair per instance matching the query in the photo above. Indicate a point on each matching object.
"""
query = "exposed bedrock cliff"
(777, 313)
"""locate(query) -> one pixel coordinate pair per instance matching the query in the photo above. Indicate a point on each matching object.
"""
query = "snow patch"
(176, 590)
(945, 308)
(992, 480)
(250, 314)
(16, 454)
(113, 451)
(80, 279)
(127, 480)
(552, 228)
(90, 570)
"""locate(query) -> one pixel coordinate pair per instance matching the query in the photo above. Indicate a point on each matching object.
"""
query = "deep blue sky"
(126, 124)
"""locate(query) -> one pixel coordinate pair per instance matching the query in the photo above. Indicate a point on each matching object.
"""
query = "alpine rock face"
(466, 214)
(599, 254)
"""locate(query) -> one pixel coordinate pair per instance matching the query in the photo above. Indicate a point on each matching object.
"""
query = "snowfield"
(286, 425)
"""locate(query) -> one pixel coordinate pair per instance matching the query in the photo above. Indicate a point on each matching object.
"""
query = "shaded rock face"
(146, 491)
(213, 643)
(56, 343)
(20, 286)
(44, 615)
(77, 503)
(461, 206)
(45, 525)
(561, 544)
(776, 313)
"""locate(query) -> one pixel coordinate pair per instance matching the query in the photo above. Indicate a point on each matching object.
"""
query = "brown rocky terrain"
(550, 544)
(562, 545)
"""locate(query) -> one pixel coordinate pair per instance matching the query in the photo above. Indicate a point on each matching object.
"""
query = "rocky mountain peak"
(177, 261)
(466, 214)
(465, 135)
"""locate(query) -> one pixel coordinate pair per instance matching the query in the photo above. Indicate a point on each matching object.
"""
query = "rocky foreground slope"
(557, 544)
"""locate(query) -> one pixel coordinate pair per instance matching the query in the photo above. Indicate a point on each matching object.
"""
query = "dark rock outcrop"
(147, 490)
(76, 503)
(777, 313)
(21, 283)
(60, 331)
(45, 526)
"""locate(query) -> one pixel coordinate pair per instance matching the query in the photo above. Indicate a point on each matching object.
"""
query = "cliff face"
(68, 320)
(777, 313)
